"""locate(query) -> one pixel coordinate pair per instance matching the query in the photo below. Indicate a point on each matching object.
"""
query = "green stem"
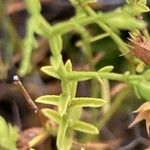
(99, 37)
(123, 48)
(105, 90)
(114, 107)
(66, 27)
(112, 76)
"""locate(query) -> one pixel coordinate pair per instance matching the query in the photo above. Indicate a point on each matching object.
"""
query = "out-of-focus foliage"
(8, 136)
(66, 118)
(136, 7)
(69, 106)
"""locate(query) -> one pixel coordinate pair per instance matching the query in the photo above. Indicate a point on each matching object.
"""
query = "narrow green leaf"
(87, 102)
(106, 69)
(50, 71)
(85, 127)
(48, 99)
(52, 115)
(80, 75)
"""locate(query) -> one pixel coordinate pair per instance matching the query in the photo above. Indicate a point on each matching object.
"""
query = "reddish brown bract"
(141, 48)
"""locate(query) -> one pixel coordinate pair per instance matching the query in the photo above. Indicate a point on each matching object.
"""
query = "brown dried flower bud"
(141, 48)
(143, 114)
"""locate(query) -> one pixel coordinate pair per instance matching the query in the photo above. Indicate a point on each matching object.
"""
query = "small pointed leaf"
(68, 65)
(80, 76)
(50, 71)
(48, 99)
(52, 115)
(85, 127)
(106, 69)
(87, 102)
